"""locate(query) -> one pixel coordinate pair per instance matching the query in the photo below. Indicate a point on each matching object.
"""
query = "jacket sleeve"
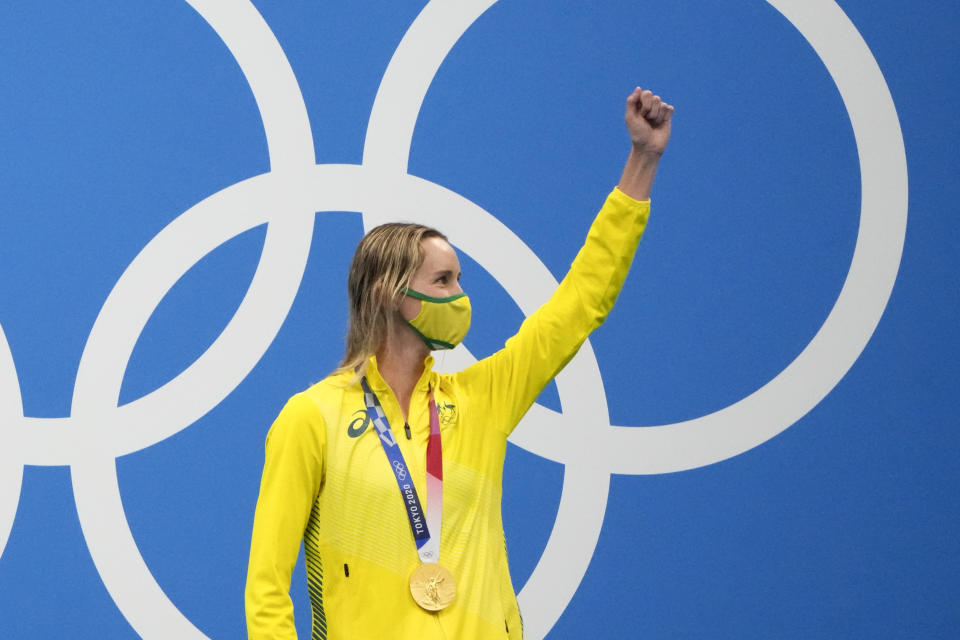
(513, 376)
(292, 475)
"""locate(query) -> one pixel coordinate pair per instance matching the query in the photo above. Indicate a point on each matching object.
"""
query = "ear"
(396, 300)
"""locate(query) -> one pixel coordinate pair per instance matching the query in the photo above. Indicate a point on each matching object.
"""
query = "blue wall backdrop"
(761, 442)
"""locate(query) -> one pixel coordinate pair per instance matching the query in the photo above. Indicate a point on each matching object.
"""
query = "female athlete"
(389, 472)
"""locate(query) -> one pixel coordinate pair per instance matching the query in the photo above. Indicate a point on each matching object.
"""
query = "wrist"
(645, 154)
(638, 173)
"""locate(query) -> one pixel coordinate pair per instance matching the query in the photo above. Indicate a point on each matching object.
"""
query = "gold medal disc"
(433, 586)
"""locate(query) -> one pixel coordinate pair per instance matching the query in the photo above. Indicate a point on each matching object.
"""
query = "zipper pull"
(406, 428)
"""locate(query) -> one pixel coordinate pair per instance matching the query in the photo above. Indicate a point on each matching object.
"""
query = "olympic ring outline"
(891, 151)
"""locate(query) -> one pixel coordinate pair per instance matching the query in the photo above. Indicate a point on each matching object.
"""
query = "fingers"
(656, 105)
(648, 116)
(647, 102)
(648, 106)
(668, 112)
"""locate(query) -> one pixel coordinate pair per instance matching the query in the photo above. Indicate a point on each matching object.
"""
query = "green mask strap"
(423, 296)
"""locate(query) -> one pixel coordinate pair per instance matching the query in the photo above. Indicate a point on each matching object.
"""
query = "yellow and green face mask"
(442, 322)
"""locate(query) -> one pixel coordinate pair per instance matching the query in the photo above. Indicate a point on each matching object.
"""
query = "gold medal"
(433, 586)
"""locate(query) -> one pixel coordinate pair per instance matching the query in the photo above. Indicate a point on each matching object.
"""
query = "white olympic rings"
(98, 431)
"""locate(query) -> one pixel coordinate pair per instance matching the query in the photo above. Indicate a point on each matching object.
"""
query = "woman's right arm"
(512, 377)
(292, 474)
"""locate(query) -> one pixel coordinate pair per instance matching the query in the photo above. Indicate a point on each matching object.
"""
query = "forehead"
(438, 255)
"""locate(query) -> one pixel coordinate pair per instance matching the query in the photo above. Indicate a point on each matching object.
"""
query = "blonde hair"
(383, 265)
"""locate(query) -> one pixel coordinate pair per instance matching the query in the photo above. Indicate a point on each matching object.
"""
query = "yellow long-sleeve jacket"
(326, 480)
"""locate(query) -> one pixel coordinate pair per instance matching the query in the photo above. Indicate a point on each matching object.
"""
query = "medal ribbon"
(428, 546)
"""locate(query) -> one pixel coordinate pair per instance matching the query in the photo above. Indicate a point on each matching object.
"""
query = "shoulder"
(324, 403)
(307, 412)
(328, 393)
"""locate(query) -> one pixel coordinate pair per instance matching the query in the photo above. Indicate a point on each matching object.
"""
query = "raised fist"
(648, 121)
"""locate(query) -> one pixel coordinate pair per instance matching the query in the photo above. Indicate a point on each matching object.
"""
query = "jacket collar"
(378, 384)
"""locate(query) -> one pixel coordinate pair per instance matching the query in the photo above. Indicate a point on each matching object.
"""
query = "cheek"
(409, 308)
